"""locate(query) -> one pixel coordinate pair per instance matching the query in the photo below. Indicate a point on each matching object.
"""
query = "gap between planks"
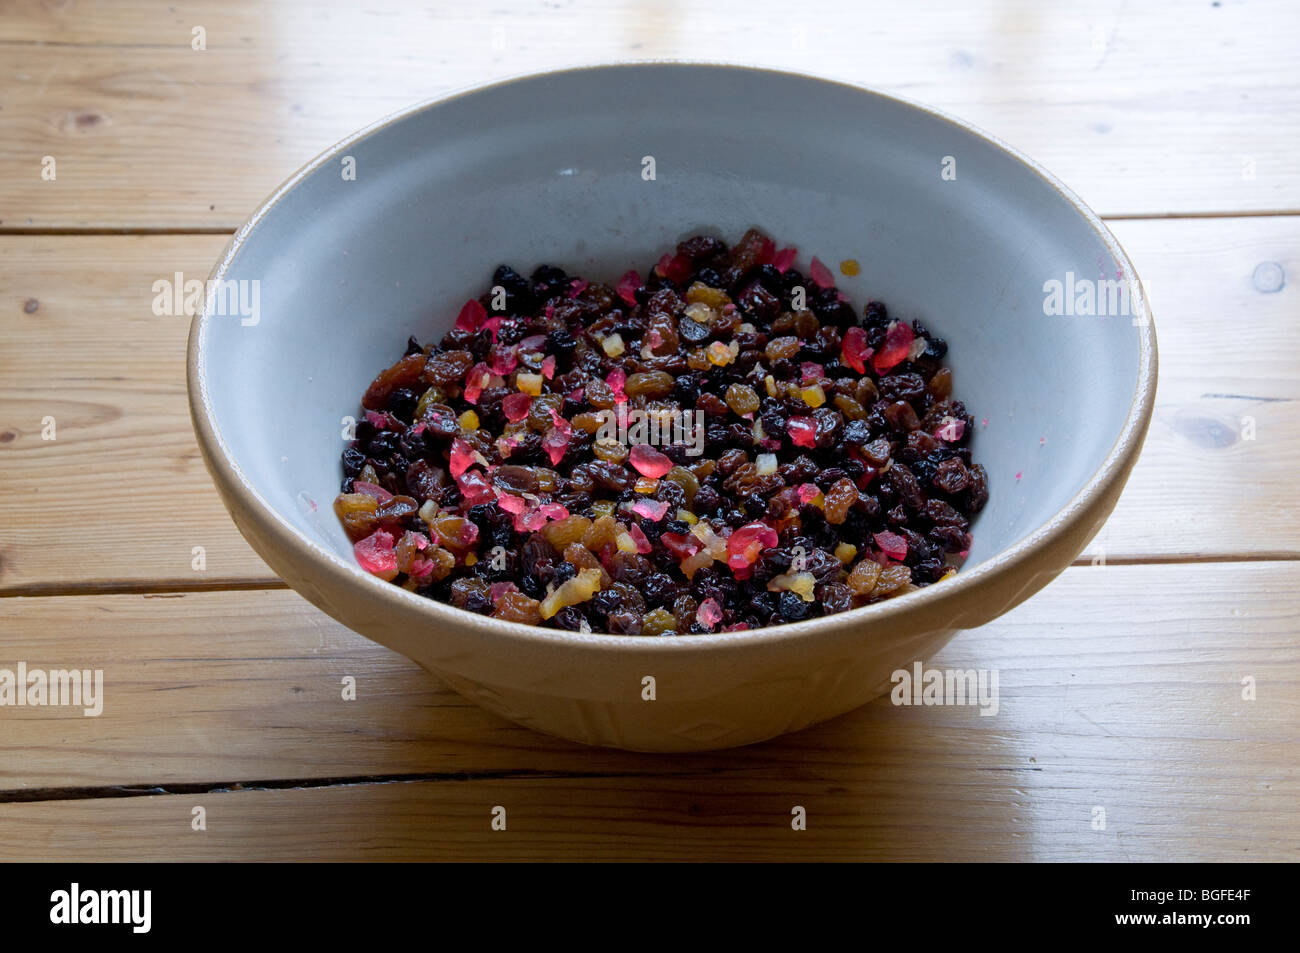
(145, 789)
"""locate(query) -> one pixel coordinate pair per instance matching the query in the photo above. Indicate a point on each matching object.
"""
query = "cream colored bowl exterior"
(727, 691)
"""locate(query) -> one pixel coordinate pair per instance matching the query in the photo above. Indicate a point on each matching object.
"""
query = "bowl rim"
(963, 585)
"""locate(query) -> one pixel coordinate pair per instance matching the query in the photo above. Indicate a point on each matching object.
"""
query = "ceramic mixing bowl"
(948, 225)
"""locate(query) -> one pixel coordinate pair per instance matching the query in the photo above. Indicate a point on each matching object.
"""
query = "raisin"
(759, 303)
(424, 481)
(405, 373)
(782, 348)
(909, 387)
(791, 607)
(951, 476)
(829, 427)
(652, 385)
(383, 445)
(977, 494)
(834, 597)
(702, 248)
(741, 399)
(842, 495)
(940, 385)
(902, 416)
(353, 461)
(447, 368)
(624, 622)
(519, 293)
(571, 618)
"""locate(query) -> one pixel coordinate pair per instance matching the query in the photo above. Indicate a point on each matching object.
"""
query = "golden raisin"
(940, 385)
(354, 503)
(782, 348)
(454, 532)
(650, 384)
(806, 325)
(842, 495)
(599, 394)
(602, 531)
(443, 562)
(560, 533)
(658, 622)
(741, 399)
(863, 578)
(704, 294)
(686, 480)
(584, 558)
(609, 450)
(359, 524)
(849, 407)
(517, 607)
(588, 421)
(891, 580)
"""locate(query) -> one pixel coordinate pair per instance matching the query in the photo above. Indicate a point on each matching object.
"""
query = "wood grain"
(217, 687)
(212, 692)
(1217, 475)
(93, 355)
(122, 493)
(948, 813)
(1144, 109)
(1121, 685)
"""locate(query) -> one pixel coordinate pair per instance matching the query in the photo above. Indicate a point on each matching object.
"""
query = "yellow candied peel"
(801, 584)
(530, 384)
(578, 589)
(814, 396)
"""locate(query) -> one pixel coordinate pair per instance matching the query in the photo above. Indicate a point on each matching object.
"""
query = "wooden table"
(1121, 683)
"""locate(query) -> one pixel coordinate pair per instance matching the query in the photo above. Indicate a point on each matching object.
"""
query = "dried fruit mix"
(835, 468)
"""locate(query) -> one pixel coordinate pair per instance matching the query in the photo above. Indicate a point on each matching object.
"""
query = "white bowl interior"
(549, 169)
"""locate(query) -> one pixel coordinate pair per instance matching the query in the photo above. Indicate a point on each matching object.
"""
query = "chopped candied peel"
(578, 589)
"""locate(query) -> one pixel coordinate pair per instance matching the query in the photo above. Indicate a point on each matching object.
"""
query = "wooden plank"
(1144, 109)
(1142, 718)
(948, 813)
(121, 494)
(1218, 472)
(1120, 687)
(93, 355)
